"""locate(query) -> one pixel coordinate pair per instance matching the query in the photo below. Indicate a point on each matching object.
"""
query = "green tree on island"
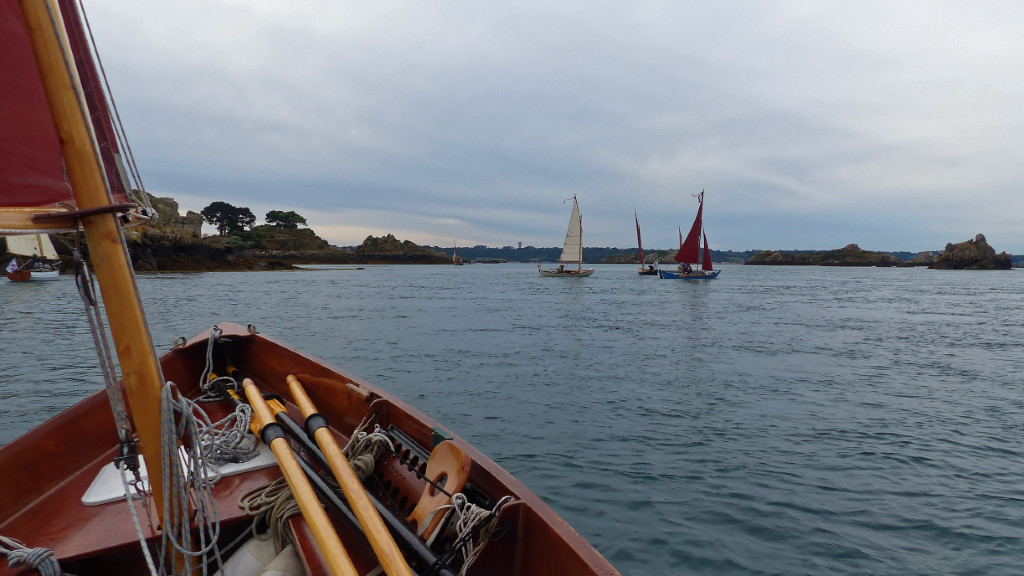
(289, 219)
(228, 218)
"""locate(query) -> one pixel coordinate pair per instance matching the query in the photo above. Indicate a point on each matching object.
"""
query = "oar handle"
(323, 532)
(390, 557)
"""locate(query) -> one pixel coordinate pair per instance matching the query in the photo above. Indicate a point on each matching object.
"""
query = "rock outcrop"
(849, 255)
(971, 255)
(922, 259)
(388, 249)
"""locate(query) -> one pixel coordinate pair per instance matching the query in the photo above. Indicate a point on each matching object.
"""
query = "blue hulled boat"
(690, 252)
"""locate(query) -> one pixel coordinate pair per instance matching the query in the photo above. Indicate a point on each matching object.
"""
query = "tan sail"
(35, 245)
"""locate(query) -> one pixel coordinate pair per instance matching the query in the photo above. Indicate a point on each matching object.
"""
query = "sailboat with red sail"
(644, 269)
(690, 255)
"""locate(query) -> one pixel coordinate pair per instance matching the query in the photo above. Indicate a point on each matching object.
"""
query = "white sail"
(38, 245)
(572, 250)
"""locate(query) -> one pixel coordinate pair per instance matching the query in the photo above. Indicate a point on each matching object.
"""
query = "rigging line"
(188, 479)
(87, 291)
(117, 124)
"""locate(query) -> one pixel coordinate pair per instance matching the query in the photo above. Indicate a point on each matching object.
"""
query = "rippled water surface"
(772, 421)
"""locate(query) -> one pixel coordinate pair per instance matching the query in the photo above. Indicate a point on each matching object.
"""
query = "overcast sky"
(809, 124)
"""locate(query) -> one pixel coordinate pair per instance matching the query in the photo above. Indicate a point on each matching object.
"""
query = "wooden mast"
(140, 369)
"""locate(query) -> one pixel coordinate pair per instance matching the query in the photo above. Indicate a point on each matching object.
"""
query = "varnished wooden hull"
(46, 472)
(33, 276)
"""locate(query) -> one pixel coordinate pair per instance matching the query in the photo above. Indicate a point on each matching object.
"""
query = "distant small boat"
(572, 250)
(42, 262)
(455, 255)
(690, 252)
(650, 269)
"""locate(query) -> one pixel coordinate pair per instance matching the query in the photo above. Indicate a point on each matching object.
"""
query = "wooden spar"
(388, 554)
(338, 560)
(140, 369)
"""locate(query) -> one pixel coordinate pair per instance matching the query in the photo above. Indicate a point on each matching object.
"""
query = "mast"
(140, 369)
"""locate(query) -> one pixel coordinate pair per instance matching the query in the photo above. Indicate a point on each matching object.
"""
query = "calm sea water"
(773, 421)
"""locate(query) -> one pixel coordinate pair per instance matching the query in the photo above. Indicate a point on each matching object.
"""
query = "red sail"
(706, 264)
(96, 100)
(639, 244)
(689, 249)
(32, 173)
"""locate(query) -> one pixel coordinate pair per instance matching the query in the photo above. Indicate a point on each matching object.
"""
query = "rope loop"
(271, 505)
(214, 388)
(365, 448)
(474, 521)
(39, 559)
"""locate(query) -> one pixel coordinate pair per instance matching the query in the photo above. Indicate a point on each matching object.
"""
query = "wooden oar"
(399, 530)
(326, 538)
(388, 554)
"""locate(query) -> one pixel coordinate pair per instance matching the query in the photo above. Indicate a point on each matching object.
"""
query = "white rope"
(365, 448)
(188, 478)
(469, 517)
(39, 559)
(209, 387)
(123, 469)
(271, 505)
(228, 439)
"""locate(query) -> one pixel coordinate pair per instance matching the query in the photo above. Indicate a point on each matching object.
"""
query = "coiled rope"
(364, 448)
(39, 559)
(271, 505)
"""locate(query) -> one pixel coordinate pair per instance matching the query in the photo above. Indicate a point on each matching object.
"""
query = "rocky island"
(850, 255)
(173, 242)
(970, 255)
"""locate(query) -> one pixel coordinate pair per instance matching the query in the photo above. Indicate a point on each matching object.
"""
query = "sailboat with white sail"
(572, 249)
(690, 252)
(34, 258)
